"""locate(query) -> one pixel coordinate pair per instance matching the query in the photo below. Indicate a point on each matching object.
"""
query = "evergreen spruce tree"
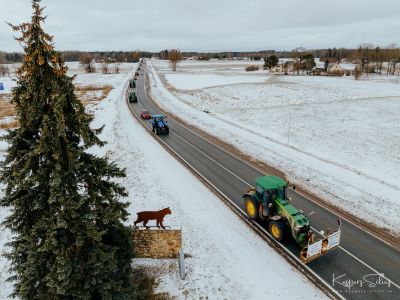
(69, 241)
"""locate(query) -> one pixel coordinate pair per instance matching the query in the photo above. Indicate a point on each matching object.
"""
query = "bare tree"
(4, 70)
(357, 72)
(393, 58)
(86, 60)
(105, 64)
(174, 56)
(363, 56)
(117, 63)
(298, 56)
(378, 58)
(2, 58)
(303, 60)
(135, 56)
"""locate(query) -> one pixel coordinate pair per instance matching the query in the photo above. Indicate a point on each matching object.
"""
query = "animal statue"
(145, 216)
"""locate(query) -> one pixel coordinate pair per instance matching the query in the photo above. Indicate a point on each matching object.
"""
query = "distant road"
(361, 256)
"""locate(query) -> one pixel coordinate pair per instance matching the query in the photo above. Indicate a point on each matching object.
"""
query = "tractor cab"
(268, 189)
(159, 124)
(158, 118)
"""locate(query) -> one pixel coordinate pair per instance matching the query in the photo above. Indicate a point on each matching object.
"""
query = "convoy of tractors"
(158, 121)
(267, 203)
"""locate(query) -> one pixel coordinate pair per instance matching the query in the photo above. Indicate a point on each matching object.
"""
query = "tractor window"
(259, 189)
(280, 193)
(267, 197)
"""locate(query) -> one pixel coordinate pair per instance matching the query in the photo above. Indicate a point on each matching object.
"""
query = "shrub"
(4, 70)
(252, 68)
(357, 73)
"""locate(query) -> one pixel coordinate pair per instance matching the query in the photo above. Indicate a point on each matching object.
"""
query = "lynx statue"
(145, 216)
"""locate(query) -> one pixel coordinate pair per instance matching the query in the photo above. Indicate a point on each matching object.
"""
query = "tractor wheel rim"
(275, 231)
(250, 208)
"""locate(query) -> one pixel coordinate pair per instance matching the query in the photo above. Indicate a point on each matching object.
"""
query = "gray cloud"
(208, 25)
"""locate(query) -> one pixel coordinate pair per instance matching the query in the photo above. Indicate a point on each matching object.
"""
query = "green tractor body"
(268, 202)
(132, 96)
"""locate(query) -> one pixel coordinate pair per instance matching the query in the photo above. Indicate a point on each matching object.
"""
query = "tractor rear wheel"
(251, 209)
(277, 229)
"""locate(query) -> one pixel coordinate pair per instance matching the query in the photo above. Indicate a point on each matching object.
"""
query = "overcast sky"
(208, 25)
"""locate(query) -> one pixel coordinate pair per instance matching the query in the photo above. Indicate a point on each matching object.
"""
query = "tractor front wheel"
(250, 207)
(277, 230)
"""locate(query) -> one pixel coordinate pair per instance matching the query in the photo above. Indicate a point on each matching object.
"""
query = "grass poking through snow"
(88, 94)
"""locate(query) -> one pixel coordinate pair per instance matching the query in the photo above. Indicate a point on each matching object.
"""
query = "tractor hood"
(292, 213)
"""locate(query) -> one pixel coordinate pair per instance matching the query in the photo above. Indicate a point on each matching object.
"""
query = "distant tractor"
(132, 96)
(132, 84)
(159, 124)
(268, 203)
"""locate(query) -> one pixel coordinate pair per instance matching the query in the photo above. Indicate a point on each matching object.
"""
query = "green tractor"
(132, 83)
(132, 96)
(268, 202)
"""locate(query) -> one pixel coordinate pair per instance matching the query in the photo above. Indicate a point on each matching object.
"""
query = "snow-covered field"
(228, 260)
(83, 78)
(338, 137)
(8, 84)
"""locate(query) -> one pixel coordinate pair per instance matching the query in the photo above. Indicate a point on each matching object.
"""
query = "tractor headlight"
(297, 228)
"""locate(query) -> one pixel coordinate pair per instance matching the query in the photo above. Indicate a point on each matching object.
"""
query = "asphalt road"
(363, 267)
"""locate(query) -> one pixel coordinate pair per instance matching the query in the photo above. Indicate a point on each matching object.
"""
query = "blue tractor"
(159, 124)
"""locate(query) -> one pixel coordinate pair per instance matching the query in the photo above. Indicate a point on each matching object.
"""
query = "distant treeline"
(379, 54)
(258, 55)
(12, 57)
(333, 54)
(128, 56)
